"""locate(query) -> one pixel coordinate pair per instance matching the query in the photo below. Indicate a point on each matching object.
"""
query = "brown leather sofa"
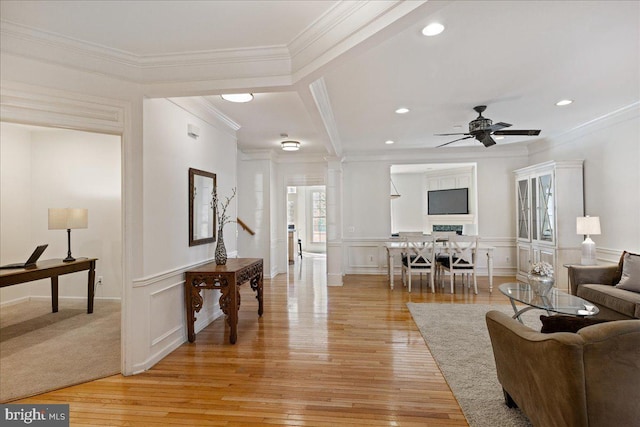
(597, 285)
(589, 378)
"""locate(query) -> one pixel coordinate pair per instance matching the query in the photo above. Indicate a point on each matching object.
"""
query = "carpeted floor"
(457, 336)
(42, 351)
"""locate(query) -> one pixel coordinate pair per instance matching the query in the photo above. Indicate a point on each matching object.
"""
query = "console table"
(52, 268)
(227, 278)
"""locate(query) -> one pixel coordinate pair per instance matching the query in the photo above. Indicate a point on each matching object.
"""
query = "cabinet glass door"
(523, 209)
(546, 208)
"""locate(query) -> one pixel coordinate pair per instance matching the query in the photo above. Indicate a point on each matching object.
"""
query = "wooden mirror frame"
(196, 206)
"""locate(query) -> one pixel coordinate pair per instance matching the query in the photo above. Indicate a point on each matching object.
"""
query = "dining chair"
(440, 245)
(461, 258)
(419, 256)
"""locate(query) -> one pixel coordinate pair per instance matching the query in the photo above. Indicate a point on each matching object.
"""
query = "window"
(319, 217)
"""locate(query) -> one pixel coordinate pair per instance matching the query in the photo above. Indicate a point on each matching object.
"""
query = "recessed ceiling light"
(498, 137)
(564, 102)
(402, 110)
(389, 142)
(237, 97)
(433, 29)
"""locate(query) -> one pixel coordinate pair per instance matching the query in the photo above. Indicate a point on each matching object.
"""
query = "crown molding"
(339, 29)
(431, 155)
(203, 109)
(27, 104)
(627, 112)
(323, 103)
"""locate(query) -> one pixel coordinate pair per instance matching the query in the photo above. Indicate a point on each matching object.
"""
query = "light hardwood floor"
(319, 356)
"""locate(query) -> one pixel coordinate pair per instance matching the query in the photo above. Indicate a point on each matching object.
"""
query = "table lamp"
(68, 218)
(588, 225)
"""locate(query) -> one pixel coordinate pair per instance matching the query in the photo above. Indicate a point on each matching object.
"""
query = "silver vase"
(221, 251)
(540, 285)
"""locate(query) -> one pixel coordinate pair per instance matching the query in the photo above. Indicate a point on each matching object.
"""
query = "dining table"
(397, 246)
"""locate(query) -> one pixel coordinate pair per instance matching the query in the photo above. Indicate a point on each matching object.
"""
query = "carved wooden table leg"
(256, 285)
(188, 289)
(234, 307)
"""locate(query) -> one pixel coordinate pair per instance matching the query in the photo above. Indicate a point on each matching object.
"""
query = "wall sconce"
(588, 225)
(68, 218)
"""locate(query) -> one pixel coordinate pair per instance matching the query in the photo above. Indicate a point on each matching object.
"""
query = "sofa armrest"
(542, 373)
(593, 274)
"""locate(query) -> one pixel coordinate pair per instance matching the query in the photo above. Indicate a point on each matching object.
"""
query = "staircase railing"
(245, 227)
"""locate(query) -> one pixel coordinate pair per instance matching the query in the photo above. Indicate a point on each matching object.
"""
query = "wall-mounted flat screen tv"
(448, 202)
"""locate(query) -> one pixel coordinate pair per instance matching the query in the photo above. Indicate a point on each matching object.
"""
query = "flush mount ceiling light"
(433, 29)
(389, 142)
(402, 110)
(564, 102)
(290, 145)
(237, 97)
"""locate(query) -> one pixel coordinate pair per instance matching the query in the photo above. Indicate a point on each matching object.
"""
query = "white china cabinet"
(549, 198)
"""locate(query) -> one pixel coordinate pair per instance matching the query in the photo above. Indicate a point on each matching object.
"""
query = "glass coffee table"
(555, 301)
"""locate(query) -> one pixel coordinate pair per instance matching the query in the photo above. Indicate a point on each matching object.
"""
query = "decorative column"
(335, 257)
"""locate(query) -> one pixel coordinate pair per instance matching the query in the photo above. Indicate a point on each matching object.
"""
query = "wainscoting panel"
(165, 315)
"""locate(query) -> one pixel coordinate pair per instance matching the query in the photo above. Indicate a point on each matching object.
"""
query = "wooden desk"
(227, 278)
(52, 268)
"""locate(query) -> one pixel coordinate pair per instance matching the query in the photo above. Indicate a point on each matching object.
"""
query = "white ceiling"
(348, 65)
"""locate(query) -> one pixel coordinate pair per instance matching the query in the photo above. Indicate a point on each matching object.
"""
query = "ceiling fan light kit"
(482, 128)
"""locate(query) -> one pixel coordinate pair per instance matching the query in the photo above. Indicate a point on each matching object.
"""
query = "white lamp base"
(588, 252)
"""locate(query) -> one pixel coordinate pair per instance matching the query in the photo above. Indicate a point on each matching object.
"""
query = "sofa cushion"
(625, 302)
(562, 323)
(630, 278)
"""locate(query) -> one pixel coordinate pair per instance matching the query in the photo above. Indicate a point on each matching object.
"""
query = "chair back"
(462, 251)
(420, 252)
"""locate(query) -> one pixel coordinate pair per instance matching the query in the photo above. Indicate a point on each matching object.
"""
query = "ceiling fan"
(482, 128)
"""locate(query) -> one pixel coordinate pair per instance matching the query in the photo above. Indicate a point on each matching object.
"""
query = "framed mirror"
(202, 220)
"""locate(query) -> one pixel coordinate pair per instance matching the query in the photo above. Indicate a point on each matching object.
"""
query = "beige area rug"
(457, 337)
(42, 351)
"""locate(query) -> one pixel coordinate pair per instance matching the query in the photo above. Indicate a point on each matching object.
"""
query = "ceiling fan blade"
(485, 138)
(450, 134)
(497, 126)
(455, 140)
(515, 132)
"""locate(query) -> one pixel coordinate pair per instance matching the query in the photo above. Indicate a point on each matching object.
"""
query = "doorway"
(306, 221)
(42, 168)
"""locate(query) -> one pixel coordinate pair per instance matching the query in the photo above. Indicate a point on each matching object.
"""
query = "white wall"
(610, 148)
(16, 241)
(168, 154)
(66, 169)
(254, 209)
(408, 210)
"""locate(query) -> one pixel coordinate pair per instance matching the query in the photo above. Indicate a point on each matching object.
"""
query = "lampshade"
(68, 218)
(588, 225)
(290, 145)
